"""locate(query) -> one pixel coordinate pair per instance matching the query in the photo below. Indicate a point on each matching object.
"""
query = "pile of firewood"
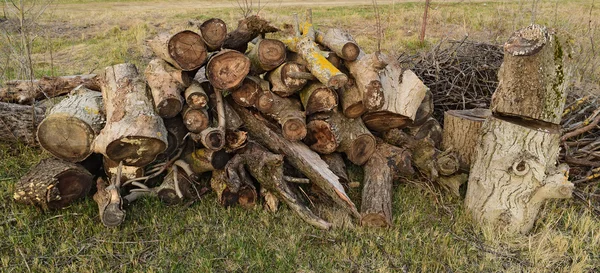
(273, 120)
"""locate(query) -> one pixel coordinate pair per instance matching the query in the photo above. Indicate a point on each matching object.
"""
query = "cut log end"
(294, 129)
(213, 31)
(227, 69)
(271, 53)
(196, 120)
(338, 81)
(72, 185)
(247, 94)
(265, 102)
(212, 138)
(321, 100)
(350, 51)
(135, 150)
(73, 144)
(527, 41)
(320, 137)
(374, 220)
(382, 121)
(362, 149)
(169, 107)
(355, 110)
(188, 49)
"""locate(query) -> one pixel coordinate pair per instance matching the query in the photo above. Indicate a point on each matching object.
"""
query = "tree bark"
(365, 70)
(214, 32)
(403, 93)
(166, 85)
(18, 123)
(376, 205)
(299, 156)
(247, 29)
(461, 131)
(431, 129)
(533, 77)
(513, 173)
(266, 55)
(316, 97)
(22, 91)
(184, 50)
(110, 203)
(133, 133)
(340, 42)
(284, 84)
(70, 127)
(318, 65)
(53, 184)
(352, 100)
(227, 69)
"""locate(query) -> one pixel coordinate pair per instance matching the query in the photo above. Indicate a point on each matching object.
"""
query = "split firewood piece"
(288, 113)
(337, 166)
(110, 203)
(19, 123)
(513, 174)
(267, 168)
(195, 96)
(266, 55)
(461, 131)
(319, 66)
(53, 184)
(300, 156)
(195, 120)
(403, 93)
(227, 69)
(184, 50)
(204, 160)
(317, 97)
(71, 126)
(340, 42)
(288, 79)
(134, 133)
(335, 132)
(248, 29)
(351, 99)
(111, 169)
(365, 70)
(425, 110)
(213, 138)
(214, 32)
(24, 91)
(533, 77)
(166, 83)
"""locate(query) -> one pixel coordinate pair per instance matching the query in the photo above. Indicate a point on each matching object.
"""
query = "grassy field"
(431, 232)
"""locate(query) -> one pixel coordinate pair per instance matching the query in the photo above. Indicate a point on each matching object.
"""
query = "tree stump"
(461, 132)
(19, 123)
(134, 133)
(184, 50)
(70, 127)
(166, 84)
(53, 184)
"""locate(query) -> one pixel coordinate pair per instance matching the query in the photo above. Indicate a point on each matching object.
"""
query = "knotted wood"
(284, 81)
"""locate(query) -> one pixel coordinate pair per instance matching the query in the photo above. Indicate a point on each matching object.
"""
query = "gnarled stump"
(53, 184)
(18, 123)
(184, 50)
(461, 132)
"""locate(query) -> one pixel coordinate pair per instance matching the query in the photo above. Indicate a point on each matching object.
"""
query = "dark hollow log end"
(247, 94)
(196, 100)
(214, 31)
(228, 70)
(361, 149)
(72, 185)
(67, 138)
(169, 196)
(196, 121)
(228, 198)
(169, 107)
(382, 121)
(374, 220)
(219, 159)
(338, 81)
(235, 140)
(350, 52)
(113, 215)
(214, 140)
(294, 129)
(247, 198)
(320, 138)
(321, 100)
(373, 98)
(271, 53)
(188, 49)
(527, 41)
(135, 150)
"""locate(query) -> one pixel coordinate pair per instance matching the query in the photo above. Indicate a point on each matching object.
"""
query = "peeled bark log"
(133, 133)
(513, 174)
(195, 96)
(53, 184)
(461, 131)
(195, 120)
(18, 123)
(227, 69)
(166, 84)
(184, 50)
(339, 42)
(71, 126)
(248, 29)
(266, 55)
(205, 160)
(288, 113)
(299, 156)
(352, 100)
(23, 91)
(336, 132)
(316, 97)
(214, 32)
(365, 70)
(533, 77)
(283, 80)
(403, 93)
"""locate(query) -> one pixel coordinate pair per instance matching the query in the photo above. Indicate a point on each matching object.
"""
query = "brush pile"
(271, 120)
